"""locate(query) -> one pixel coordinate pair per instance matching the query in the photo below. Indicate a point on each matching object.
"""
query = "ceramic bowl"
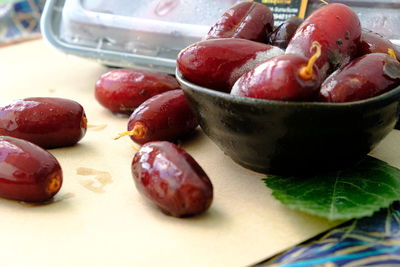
(279, 137)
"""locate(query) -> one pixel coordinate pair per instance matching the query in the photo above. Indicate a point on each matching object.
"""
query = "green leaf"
(356, 192)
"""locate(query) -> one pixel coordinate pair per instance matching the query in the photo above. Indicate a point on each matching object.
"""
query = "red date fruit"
(246, 20)
(372, 42)
(288, 77)
(362, 78)
(27, 172)
(46, 121)
(218, 63)
(123, 90)
(337, 28)
(282, 35)
(164, 117)
(171, 179)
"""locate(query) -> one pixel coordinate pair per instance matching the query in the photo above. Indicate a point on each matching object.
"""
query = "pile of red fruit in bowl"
(328, 57)
(310, 95)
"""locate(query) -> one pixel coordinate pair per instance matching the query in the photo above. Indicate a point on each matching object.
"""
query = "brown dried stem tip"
(392, 54)
(138, 131)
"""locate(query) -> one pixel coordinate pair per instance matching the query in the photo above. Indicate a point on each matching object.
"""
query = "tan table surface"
(99, 219)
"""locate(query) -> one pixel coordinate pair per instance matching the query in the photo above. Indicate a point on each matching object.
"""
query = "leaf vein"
(363, 190)
(391, 187)
(332, 207)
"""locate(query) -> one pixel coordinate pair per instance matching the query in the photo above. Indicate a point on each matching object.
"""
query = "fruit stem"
(135, 147)
(391, 53)
(306, 72)
(324, 2)
(84, 122)
(138, 131)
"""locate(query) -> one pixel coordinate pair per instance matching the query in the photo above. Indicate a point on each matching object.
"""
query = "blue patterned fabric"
(370, 241)
(20, 19)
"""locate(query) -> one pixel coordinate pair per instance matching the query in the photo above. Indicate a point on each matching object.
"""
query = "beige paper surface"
(99, 219)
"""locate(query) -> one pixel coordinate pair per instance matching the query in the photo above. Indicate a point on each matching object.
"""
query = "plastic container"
(130, 33)
(149, 34)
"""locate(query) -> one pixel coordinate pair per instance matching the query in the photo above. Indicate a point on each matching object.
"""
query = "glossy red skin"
(282, 35)
(171, 179)
(46, 121)
(278, 79)
(123, 90)
(166, 117)
(362, 78)
(218, 63)
(246, 20)
(26, 170)
(337, 28)
(372, 42)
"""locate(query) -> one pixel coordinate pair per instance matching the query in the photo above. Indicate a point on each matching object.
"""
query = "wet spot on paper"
(98, 180)
(96, 127)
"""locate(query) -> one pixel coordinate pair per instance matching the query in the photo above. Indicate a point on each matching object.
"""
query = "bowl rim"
(257, 101)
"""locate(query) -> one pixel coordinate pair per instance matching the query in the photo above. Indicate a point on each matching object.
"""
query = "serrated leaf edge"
(356, 215)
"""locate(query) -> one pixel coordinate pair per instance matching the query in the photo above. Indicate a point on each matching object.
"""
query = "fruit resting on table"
(171, 179)
(49, 122)
(28, 172)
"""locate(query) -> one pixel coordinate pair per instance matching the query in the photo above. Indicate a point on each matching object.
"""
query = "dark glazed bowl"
(278, 137)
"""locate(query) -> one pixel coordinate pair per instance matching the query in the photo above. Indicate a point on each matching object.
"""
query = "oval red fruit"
(164, 117)
(48, 122)
(218, 63)
(282, 35)
(337, 28)
(246, 20)
(27, 172)
(362, 78)
(171, 179)
(279, 79)
(372, 42)
(123, 90)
